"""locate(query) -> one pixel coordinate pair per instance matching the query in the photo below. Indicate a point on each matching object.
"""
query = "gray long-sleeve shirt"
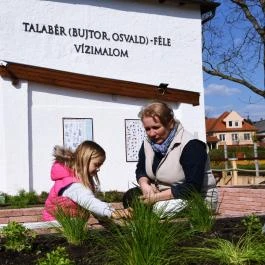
(86, 198)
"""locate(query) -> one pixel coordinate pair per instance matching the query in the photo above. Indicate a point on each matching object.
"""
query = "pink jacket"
(63, 176)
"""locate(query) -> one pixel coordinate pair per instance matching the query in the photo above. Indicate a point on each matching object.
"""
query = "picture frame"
(77, 130)
(134, 136)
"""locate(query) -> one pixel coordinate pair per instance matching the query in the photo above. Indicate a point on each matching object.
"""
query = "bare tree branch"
(243, 82)
(234, 44)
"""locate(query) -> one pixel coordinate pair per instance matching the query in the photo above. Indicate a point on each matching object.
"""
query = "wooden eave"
(205, 5)
(71, 80)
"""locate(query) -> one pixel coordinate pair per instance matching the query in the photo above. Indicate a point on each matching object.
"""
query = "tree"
(234, 44)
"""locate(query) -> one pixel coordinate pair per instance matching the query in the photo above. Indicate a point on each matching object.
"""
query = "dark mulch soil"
(94, 251)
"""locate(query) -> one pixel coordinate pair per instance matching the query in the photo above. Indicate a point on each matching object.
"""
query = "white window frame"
(234, 137)
(222, 137)
(247, 136)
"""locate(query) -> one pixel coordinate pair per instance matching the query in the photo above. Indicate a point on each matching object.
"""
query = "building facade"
(75, 70)
(229, 129)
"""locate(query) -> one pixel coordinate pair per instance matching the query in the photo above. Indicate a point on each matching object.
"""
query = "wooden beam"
(71, 80)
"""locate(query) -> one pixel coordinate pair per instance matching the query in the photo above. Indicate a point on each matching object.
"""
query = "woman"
(172, 163)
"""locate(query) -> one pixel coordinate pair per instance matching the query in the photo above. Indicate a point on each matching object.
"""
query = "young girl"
(75, 180)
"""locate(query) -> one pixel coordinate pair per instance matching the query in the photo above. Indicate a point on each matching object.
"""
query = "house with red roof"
(230, 129)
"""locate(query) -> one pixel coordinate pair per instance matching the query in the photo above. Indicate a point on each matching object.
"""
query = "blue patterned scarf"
(162, 148)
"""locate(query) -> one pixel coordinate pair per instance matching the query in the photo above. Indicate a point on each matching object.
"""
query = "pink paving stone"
(10, 212)
(32, 211)
(4, 220)
(24, 219)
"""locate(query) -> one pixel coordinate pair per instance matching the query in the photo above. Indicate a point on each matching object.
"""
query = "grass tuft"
(74, 227)
(145, 239)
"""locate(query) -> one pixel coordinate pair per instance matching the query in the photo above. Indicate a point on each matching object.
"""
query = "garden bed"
(95, 250)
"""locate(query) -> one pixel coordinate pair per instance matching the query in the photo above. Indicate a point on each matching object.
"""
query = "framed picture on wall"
(76, 130)
(134, 135)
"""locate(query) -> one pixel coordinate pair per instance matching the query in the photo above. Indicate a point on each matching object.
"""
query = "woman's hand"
(122, 213)
(151, 198)
(146, 187)
(157, 196)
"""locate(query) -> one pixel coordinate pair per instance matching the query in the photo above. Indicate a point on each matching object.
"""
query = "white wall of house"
(31, 114)
(243, 138)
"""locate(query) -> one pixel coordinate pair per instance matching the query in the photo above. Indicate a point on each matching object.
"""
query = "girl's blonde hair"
(79, 160)
(160, 110)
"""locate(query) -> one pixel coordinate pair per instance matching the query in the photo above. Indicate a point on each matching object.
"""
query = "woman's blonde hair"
(160, 110)
(79, 160)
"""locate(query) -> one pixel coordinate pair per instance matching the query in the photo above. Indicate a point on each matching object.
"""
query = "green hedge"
(218, 154)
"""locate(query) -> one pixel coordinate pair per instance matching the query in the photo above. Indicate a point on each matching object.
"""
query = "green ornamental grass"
(74, 227)
(146, 239)
(248, 250)
(199, 213)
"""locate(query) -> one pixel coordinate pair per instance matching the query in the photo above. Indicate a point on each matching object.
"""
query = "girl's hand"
(122, 213)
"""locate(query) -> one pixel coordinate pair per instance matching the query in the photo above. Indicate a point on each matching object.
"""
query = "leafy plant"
(17, 237)
(146, 239)
(247, 250)
(58, 256)
(252, 223)
(73, 225)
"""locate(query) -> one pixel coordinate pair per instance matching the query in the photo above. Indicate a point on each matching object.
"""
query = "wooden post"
(234, 172)
(256, 162)
(226, 156)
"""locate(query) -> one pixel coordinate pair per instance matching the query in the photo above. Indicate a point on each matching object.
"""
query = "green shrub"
(42, 197)
(110, 196)
(2, 198)
(17, 237)
(252, 224)
(22, 199)
(58, 256)
(218, 154)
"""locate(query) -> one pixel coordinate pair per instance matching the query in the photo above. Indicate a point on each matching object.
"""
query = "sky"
(224, 95)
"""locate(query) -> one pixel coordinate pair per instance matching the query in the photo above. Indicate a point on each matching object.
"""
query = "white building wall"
(14, 130)
(31, 115)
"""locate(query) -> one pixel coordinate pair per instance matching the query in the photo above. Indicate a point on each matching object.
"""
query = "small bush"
(252, 224)
(42, 197)
(22, 199)
(17, 237)
(58, 256)
(110, 196)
